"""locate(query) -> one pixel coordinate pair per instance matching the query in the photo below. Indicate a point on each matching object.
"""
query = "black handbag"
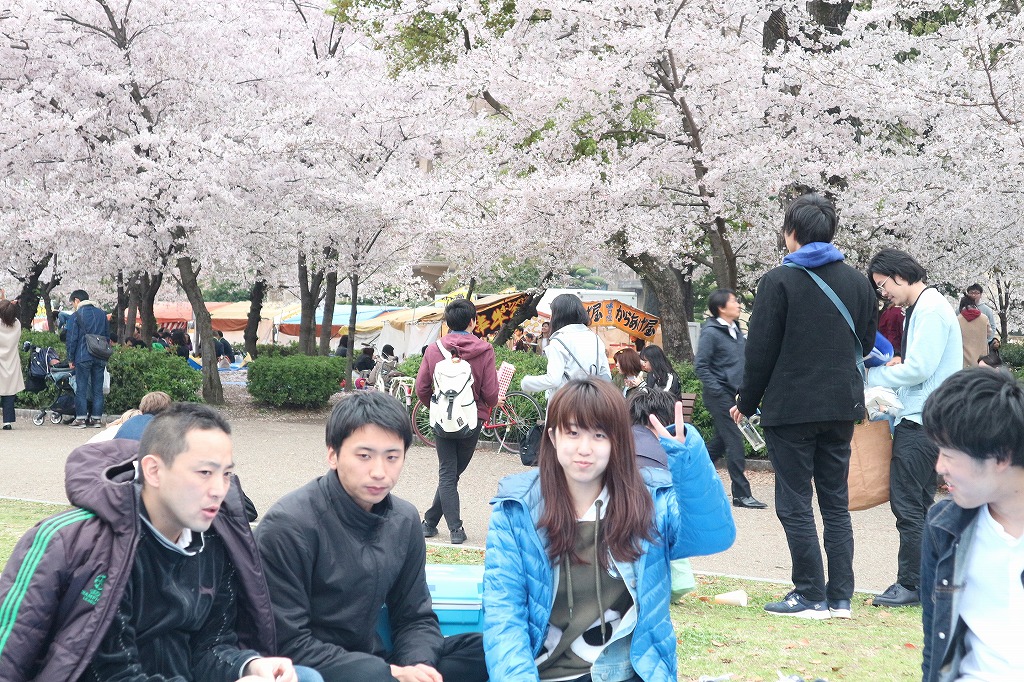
(529, 448)
(99, 346)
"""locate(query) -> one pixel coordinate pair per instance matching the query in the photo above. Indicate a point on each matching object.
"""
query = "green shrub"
(272, 350)
(134, 372)
(295, 380)
(409, 367)
(1013, 354)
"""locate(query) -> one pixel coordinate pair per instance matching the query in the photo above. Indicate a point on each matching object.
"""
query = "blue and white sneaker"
(796, 605)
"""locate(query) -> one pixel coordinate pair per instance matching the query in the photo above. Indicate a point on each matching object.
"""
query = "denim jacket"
(948, 534)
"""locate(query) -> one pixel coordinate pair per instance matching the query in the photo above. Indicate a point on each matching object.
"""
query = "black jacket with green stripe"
(62, 585)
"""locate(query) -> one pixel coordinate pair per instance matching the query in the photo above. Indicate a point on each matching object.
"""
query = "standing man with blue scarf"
(801, 368)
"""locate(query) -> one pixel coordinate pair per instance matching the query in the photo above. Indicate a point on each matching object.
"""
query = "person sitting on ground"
(972, 557)
(993, 358)
(342, 350)
(154, 574)
(180, 343)
(223, 347)
(650, 453)
(341, 547)
(110, 432)
(564, 600)
(152, 404)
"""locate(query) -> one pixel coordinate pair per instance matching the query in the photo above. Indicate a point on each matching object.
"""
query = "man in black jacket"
(719, 366)
(801, 368)
(341, 547)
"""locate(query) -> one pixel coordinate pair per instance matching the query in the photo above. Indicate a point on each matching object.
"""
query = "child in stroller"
(45, 368)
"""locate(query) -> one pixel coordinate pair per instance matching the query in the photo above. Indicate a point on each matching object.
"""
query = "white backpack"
(452, 406)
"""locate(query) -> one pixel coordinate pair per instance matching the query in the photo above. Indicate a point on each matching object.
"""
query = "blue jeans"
(89, 387)
(307, 674)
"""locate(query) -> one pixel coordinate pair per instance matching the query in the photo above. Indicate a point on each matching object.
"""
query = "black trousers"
(453, 456)
(8, 408)
(462, 660)
(912, 481)
(728, 441)
(818, 453)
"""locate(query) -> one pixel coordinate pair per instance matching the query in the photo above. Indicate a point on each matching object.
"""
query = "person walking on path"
(12, 381)
(573, 351)
(719, 366)
(801, 367)
(974, 332)
(88, 319)
(454, 454)
(932, 351)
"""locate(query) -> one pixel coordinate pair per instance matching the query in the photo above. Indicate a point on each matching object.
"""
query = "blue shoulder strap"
(842, 310)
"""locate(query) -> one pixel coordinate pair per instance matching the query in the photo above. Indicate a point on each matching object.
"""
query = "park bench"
(689, 400)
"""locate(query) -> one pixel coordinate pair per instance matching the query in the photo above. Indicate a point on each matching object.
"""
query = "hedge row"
(295, 380)
(134, 372)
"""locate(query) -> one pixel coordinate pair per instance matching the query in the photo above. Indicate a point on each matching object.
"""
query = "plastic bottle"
(748, 427)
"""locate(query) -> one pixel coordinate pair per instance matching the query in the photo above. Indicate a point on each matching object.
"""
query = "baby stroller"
(45, 368)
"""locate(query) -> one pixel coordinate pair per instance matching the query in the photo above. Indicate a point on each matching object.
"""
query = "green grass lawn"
(714, 640)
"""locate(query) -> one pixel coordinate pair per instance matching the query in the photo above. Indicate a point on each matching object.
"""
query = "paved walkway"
(273, 458)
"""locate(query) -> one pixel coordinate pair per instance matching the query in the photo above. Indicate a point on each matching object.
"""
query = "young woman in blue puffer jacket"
(576, 583)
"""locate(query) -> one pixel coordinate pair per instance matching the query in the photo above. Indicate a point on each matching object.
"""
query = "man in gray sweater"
(719, 366)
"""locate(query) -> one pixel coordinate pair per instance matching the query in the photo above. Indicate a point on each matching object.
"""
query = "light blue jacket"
(934, 352)
(691, 517)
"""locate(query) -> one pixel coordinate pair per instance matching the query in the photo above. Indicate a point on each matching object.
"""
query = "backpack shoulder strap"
(574, 358)
(444, 351)
(843, 310)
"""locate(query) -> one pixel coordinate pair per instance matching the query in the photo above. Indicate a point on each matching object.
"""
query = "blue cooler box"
(457, 595)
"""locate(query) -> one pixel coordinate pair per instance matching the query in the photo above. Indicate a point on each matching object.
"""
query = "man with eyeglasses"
(972, 562)
(931, 351)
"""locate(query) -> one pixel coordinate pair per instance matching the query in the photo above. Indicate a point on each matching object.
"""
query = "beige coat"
(975, 335)
(11, 379)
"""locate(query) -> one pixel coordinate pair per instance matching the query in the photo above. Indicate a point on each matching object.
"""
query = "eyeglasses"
(881, 287)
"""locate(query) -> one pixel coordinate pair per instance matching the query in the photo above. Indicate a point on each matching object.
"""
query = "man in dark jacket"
(972, 557)
(88, 319)
(454, 454)
(340, 548)
(719, 366)
(802, 369)
(154, 573)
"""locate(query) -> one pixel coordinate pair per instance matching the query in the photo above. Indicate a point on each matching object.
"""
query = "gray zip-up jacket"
(719, 361)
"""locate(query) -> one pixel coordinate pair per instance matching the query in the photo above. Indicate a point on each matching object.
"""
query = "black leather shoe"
(897, 595)
(748, 503)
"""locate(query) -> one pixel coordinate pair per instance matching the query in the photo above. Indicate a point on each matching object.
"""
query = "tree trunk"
(674, 291)
(1004, 302)
(526, 310)
(353, 281)
(213, 392)
(28, 299)
(470, 289)
(132, 314)
(310, 293)
(120, 307)
(45, 292)
(149, 287)
(327, 323)
(723, 258)
(252, 323)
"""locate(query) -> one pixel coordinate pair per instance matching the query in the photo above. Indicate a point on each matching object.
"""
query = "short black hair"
(356, 410)
(896, 263)
(975, 287)
(458, 314)
(718, 299)
(978, 411)
(567, 309)
(810, 218)
(642, 404)
(78, 295)
(165, 435)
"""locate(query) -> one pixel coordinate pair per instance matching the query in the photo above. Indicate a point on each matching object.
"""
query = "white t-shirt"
(992, 604)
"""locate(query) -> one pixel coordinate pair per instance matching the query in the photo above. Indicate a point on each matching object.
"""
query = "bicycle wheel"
(402, 392)
(421, 424)
(521, 413)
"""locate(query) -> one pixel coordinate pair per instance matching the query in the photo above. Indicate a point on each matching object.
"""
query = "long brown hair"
(8, 312)
(595, 404)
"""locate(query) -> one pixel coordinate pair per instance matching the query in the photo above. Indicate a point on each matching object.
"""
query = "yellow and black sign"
(631, 320)
(490, 316)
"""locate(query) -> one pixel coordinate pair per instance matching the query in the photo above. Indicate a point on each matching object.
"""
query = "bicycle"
(508, 423)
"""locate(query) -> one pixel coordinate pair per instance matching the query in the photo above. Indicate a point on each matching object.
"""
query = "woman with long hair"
(576, 578)
(12, 380)
(660, 374)
(573, 350)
